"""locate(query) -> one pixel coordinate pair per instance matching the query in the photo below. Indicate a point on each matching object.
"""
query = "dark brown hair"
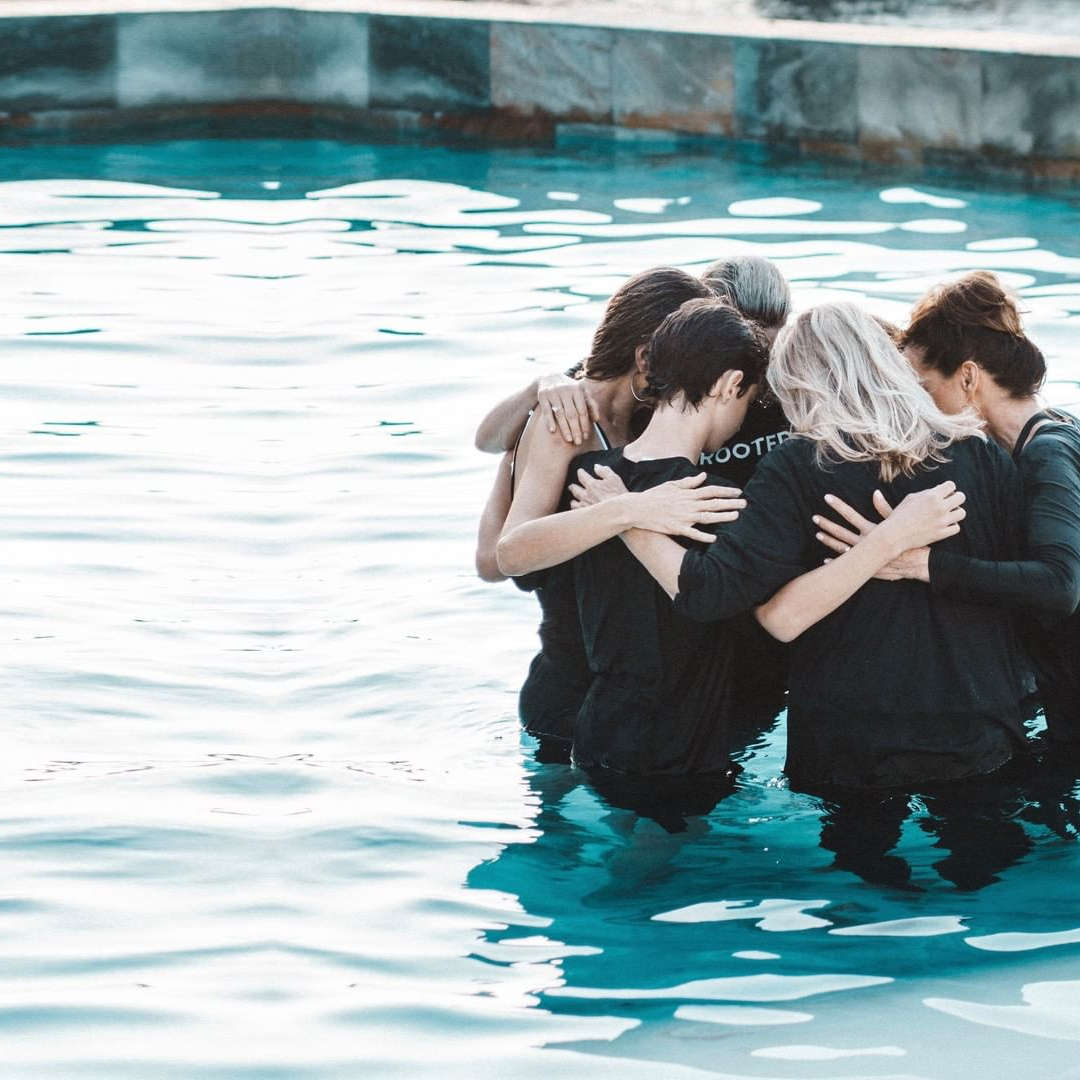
(974, 318)
(638, 307)
(696, 345)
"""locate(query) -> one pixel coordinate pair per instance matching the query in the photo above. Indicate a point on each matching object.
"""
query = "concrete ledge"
(865, 94)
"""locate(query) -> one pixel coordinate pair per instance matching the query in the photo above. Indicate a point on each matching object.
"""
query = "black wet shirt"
(1045, 585)
(898, 685)
(760, 663)
(659, 698)
(764, 429)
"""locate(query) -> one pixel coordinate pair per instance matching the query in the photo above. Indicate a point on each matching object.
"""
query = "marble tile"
(197, 57)
(563, 71)
(60, 62)
(322, 57)
(1031, 105)
(920, 97)
(429, 63)
(680, 82)
(795, 90)
(243, 55)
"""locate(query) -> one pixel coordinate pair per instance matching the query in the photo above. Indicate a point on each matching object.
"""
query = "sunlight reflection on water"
(267, 810)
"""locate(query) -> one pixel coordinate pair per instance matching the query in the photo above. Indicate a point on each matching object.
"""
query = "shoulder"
(981, 452)
(539, 445)
(1056, 444)
(794, 454)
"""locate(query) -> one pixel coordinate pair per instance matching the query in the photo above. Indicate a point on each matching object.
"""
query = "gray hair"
(753, 285)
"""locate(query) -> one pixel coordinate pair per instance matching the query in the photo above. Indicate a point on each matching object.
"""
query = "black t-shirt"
(759, 667)
(1045, 584)
(899, 685)
(659, 699)
(764, 429)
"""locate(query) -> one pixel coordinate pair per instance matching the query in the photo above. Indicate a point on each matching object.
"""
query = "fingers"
(576, 411)
(716, 492)
(690, 481)
(832, 544)
(696, 534)
(711, 506)
(849, 514)
(835, 531)
(881, 504)
(558, 421)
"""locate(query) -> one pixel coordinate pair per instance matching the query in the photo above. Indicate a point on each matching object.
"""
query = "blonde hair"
(753, 285)
(844, 384)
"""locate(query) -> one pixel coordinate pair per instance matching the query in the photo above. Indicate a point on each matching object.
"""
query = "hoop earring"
(639, 400)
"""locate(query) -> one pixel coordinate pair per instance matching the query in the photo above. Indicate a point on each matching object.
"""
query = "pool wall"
(880, 95)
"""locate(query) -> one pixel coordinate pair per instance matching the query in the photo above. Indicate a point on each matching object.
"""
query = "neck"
(671, 433)
(616, 402)
(1006, 416)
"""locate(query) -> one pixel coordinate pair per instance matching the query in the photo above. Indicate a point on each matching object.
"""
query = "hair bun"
(978, 299)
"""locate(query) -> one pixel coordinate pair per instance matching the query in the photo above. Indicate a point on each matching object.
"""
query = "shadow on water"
(702, 907)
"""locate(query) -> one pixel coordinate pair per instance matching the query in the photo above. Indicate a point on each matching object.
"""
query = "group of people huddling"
(895, 503)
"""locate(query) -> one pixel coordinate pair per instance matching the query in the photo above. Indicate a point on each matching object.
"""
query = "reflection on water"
(267, 809)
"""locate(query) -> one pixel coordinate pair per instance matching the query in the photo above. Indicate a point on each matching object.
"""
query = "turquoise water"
(266, 809)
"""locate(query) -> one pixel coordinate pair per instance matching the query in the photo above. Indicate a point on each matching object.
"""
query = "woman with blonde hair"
(890, 684)
(967, 343)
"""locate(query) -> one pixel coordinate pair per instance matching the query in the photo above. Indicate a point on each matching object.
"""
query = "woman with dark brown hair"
(536, 473)
(966, 341)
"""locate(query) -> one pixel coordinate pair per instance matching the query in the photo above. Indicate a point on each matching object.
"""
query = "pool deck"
(880, 95)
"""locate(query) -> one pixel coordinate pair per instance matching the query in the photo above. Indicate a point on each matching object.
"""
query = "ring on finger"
(554, 408)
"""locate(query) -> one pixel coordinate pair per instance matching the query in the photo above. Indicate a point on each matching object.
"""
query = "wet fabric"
(899, 684)
(1045, 585)
(764, 429)
(660, 697)
(760, 662)
(558, 674)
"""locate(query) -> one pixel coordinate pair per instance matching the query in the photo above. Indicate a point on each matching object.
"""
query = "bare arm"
(675, 508)
(654, 548)
(921, 519)
(660, 555)
(491, 522)
(543, 458)
(563, 403)
(499, 430)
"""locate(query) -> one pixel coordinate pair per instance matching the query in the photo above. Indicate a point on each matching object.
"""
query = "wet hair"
(754, 286)
(844, 385)
(633, 313)
(974, 318)
(699, 343)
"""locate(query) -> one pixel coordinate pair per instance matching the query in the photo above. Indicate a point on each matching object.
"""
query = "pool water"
(267, 812)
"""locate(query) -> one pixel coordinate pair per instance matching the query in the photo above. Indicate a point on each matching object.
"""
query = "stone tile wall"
(529, 80)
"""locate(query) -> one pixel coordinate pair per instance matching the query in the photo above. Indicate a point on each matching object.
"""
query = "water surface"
(267, 812)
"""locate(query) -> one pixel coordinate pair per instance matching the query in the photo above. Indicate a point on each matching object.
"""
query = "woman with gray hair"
(754, 286)
(890, 684)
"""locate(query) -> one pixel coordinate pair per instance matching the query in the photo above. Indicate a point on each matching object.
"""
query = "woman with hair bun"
(891, 684)
(967, 342)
